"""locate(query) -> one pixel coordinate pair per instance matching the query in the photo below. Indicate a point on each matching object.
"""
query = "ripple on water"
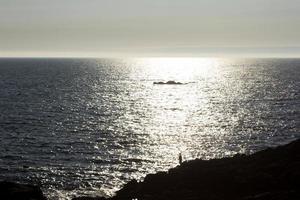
(86, 126)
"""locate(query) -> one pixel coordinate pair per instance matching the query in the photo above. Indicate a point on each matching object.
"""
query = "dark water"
(87, 126)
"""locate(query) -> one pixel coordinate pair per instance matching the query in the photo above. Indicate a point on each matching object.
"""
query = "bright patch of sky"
(98, 26)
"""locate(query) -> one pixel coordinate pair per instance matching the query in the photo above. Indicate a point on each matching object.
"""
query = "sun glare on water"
(171, 109)
(178, 69)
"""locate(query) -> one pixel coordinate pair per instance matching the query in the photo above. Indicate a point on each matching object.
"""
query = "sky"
(149, 27)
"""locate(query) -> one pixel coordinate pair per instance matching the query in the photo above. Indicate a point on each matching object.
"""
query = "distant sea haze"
(87, 126)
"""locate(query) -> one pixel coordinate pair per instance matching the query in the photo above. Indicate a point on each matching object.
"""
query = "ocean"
(88, 126)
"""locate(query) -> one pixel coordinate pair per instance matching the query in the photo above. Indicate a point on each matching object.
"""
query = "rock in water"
(168, 83)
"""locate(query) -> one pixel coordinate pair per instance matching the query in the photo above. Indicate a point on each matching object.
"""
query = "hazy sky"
(150, 27)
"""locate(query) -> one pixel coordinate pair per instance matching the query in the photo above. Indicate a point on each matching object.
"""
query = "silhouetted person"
(180, 158)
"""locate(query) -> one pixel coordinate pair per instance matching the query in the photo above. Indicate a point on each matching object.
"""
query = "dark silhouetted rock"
(16, 191)
(271, 170)
(129, 190)
(271, 174)
(168, 83)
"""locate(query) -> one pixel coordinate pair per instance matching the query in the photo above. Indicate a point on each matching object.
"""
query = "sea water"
(88, 126)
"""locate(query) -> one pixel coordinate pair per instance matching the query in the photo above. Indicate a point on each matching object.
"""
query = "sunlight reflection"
(172, 107)
(180, 69)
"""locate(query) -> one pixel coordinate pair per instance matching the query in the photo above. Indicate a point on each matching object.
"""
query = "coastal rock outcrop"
(17, 191)
(271, 174)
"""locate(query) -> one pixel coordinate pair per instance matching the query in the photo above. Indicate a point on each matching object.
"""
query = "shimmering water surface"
(87, 126)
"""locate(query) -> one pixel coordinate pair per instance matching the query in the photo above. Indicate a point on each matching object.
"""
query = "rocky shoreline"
(271, 174)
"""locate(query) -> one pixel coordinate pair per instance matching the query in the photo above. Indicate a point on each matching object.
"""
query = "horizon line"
(148, 56)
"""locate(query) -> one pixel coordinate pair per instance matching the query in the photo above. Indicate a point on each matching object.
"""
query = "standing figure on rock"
(180, 158)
